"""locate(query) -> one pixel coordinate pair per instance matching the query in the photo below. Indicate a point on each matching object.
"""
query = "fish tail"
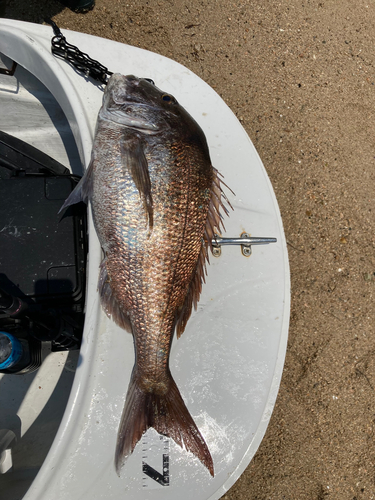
(167, 414)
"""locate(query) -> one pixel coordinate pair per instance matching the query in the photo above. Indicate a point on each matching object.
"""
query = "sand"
(300, 76)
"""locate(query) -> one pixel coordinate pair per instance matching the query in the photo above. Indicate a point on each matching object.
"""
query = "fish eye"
(167, 98)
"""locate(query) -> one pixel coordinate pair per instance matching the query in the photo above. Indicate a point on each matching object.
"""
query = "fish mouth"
(126, 120)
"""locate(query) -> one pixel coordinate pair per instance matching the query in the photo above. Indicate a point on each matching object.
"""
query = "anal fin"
(109, 303)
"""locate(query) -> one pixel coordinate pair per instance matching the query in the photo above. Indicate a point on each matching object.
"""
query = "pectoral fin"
(134, 160)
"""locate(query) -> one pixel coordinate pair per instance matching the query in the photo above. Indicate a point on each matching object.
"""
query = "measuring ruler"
(155, 461)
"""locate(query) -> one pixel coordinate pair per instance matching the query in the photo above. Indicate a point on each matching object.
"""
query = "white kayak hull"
(228, 364)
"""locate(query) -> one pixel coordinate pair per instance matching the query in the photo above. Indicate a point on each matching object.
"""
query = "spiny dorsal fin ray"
(214, 223)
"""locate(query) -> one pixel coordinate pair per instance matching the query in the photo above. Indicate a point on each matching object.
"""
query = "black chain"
(77, 58)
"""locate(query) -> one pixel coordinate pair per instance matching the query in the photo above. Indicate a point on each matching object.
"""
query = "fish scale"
(155, 198)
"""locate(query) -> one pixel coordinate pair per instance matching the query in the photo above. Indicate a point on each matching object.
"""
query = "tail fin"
(167, 414)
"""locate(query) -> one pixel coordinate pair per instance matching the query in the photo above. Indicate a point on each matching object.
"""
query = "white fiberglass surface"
(229, 361)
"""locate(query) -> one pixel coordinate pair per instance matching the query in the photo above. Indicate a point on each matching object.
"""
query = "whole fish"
(155, 199)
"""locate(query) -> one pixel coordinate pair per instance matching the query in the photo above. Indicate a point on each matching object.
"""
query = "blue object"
(10, 350)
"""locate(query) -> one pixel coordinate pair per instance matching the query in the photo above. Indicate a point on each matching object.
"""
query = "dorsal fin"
(214, 223)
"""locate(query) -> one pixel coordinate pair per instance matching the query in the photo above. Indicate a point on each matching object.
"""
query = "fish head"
(138, 104)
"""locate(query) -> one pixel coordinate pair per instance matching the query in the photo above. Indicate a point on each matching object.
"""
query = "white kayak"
(228, 364)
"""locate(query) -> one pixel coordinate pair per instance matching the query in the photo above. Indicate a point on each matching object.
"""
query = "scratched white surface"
(227, 364)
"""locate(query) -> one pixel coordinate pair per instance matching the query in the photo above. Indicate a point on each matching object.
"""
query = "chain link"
(77, 58)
